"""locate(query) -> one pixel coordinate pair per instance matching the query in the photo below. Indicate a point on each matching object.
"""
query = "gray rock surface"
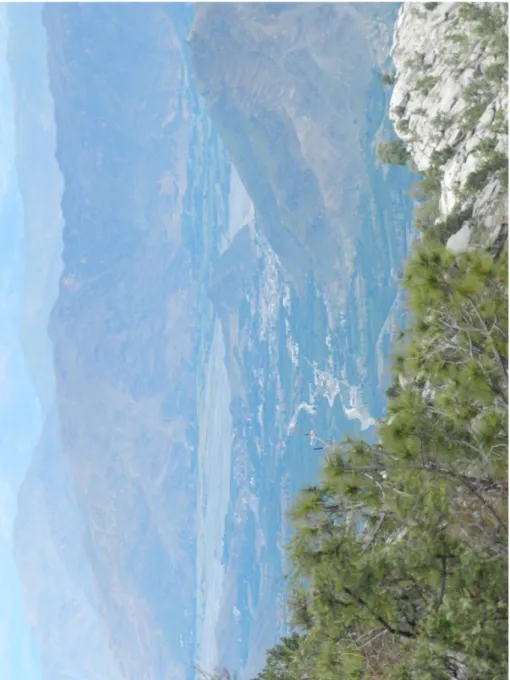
(451, 95)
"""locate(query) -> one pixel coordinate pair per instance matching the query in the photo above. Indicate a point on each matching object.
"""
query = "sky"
(20, 406)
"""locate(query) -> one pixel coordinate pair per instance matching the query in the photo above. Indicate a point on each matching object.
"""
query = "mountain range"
(220, 272)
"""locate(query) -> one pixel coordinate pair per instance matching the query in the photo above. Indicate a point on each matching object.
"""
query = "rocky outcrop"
(450, 106)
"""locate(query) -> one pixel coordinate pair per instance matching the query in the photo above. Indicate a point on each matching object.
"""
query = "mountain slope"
(296, 95)
(124, 332)
(287, 87)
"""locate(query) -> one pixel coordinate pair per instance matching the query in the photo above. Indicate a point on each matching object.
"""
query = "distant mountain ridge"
(145, 206)
(123, 332)
(285, 86)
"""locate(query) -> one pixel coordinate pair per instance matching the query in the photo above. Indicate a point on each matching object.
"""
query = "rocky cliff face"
(450, 106)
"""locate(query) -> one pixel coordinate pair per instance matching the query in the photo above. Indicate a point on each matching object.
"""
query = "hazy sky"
(20, 418)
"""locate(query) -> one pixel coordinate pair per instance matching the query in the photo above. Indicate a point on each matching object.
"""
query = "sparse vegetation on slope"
(450, 109)
(393, 152)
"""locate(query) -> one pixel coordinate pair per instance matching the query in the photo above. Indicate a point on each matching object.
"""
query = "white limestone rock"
(459, 242)
(437, 54)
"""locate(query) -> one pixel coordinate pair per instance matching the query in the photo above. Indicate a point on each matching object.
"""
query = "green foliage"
(497, 73)
(394, 152)
(442, 230)
(426, 214)
(416, 62)
(489, 21)
(388, 78)
(487, 146)
(400, 551)
(495, 163)
(399, 110)
(282, 660)
(472, 114)
(420, 111)
(460, 39)
(500, 44)
(500, 123)
(479, 87)
(470, 11)
(416, 12)
(426, 83)
(442, 121)
(441, 156)
(403, 125)
(428, 187)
